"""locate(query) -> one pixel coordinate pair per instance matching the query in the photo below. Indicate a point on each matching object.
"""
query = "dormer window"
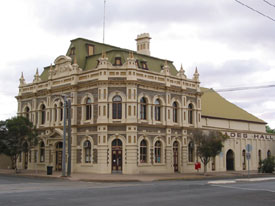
(144, 65)
(118, 61)
(72, 51)
(90, 49)
(137, 63)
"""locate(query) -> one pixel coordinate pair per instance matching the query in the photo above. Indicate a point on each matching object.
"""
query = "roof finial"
(181, 73)
(196, 75)
(36, 76)
(22, 80)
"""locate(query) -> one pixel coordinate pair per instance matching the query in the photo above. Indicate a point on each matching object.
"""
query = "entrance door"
(26, 160)
(58, 156)
(116, 155)
(176, 156)
(230, 160)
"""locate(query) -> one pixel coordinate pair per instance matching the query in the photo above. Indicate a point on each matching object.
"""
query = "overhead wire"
(255, 10)
(270, 4)
(244, 88)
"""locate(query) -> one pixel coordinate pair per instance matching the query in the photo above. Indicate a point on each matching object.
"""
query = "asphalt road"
(23, 191)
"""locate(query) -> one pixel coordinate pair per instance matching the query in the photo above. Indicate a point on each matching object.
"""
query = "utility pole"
(64, 137)
(69, 139)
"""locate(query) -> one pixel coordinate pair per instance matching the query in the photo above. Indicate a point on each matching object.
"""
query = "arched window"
(42, 152)
(43, 114)
(88, 109)
(191, 151)
(143, 151)
(143, 111)
(87, 151)
(27, 112)
(260, 157)
(190, 114)
(55, 112)
(244, 160)
(158, 152)
(157, 110)
(117, 107)
(175, 112)
(61, 111)
(268, 154)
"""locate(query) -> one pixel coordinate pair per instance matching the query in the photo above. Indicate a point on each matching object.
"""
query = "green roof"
(214, 105)
(87, 62)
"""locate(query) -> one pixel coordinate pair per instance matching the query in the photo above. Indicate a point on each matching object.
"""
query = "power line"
(104, 21)
(245, 88)
(269, 3)
(245, 5)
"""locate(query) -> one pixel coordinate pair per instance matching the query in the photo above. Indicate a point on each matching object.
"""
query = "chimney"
(143, 44)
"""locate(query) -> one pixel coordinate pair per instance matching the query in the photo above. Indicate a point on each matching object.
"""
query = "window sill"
(144, 164)
(159, 164)
(86, 165)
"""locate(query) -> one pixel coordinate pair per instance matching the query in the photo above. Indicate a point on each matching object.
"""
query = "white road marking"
(243, 188)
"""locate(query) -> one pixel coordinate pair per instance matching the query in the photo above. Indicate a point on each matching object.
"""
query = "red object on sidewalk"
(197, 165)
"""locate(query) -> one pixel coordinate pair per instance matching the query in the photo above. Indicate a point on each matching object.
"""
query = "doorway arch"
(117, 155)
(230, 160)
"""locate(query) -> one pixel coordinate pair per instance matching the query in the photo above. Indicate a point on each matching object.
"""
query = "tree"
(209, 144)
(17, 135)
(267, 165)
(269, 130)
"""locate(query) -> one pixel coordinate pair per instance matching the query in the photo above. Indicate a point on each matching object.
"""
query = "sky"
(231, 45)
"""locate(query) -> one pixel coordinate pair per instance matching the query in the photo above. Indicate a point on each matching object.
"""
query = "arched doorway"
(58, 156)
(176, 156)
(116, 155)
(230, 160)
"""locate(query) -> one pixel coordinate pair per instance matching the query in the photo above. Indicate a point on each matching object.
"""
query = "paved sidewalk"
(139, 177)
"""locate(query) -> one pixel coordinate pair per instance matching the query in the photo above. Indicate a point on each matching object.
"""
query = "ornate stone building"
(131, 113)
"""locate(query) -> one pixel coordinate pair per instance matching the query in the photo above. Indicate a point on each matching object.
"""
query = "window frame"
(117, 107)
(143, 108)
(158, 152)
(175, 112)
(157, 105)
(143, 151)
(42, 151)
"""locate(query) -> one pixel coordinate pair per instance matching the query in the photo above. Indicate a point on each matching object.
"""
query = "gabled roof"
(214, 105)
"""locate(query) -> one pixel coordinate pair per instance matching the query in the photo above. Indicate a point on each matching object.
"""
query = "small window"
(42, 152)
(61, 111)
(90, 50)
(88, 109)
(87, 151)
(72, 51)
(144, 65)
(118, 61)
(158, 152)
(157, 110)
(137, 63)
(27, 112)
(143, 151)
(143, 105)
(190, 114)
(117, 107)
(191, 151)
(43, 114)
(175, 112)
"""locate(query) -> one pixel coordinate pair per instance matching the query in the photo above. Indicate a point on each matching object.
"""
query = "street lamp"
(66, 115)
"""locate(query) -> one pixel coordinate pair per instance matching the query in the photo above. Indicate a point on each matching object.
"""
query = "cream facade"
(131, 113)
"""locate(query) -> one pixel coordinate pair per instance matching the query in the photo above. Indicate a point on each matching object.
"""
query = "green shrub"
(267, 165)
